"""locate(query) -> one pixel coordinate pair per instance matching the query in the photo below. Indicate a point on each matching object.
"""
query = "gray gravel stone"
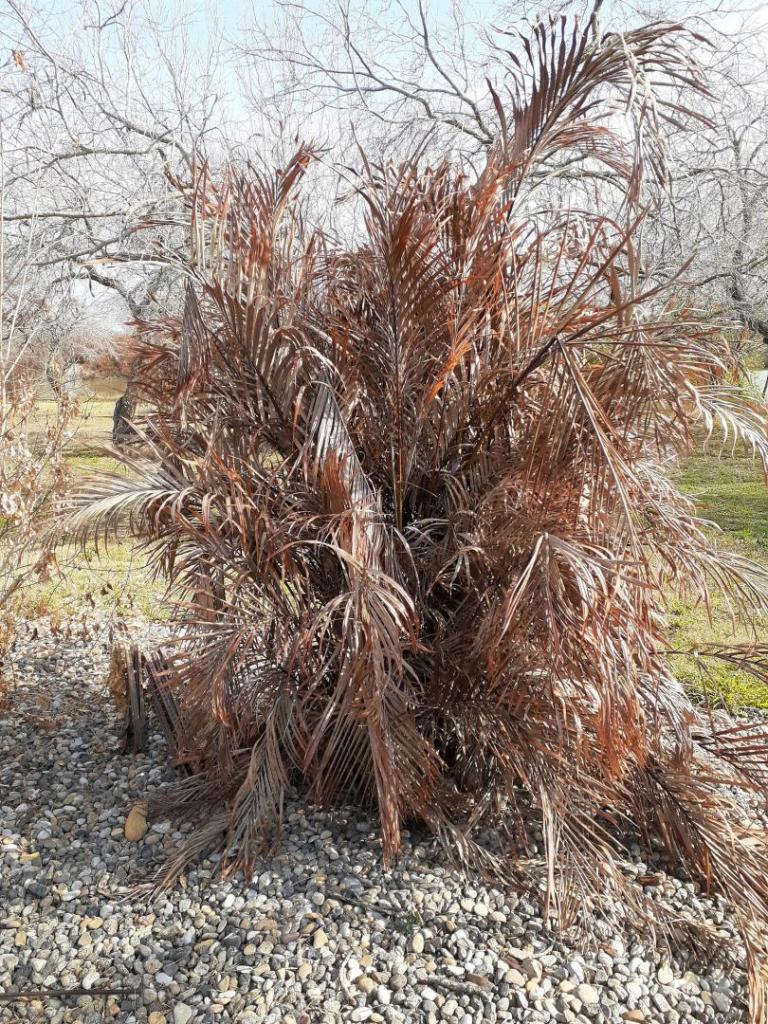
(182, 1013)
(322, 932)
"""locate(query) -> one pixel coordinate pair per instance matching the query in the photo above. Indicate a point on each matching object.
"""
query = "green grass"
(115, 579)
(91, 430)
(717, 681)
(729, 490)
(85, 463)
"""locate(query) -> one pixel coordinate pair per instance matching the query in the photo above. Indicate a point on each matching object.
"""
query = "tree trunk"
(123, 431)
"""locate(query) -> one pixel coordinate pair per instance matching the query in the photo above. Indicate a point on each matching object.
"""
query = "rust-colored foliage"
(414, 494)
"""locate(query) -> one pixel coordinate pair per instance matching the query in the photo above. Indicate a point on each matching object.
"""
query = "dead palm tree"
(415, 497)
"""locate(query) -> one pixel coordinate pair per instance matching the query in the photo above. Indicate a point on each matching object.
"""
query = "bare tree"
(32, 471)
(98, 117)
(400, 74)
(99, 110)
(720, 208)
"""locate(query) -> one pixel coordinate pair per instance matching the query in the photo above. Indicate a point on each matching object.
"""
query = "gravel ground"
(321, 934)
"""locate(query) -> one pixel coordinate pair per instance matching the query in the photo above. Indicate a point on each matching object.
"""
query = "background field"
(729, 490)
(117, 579)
